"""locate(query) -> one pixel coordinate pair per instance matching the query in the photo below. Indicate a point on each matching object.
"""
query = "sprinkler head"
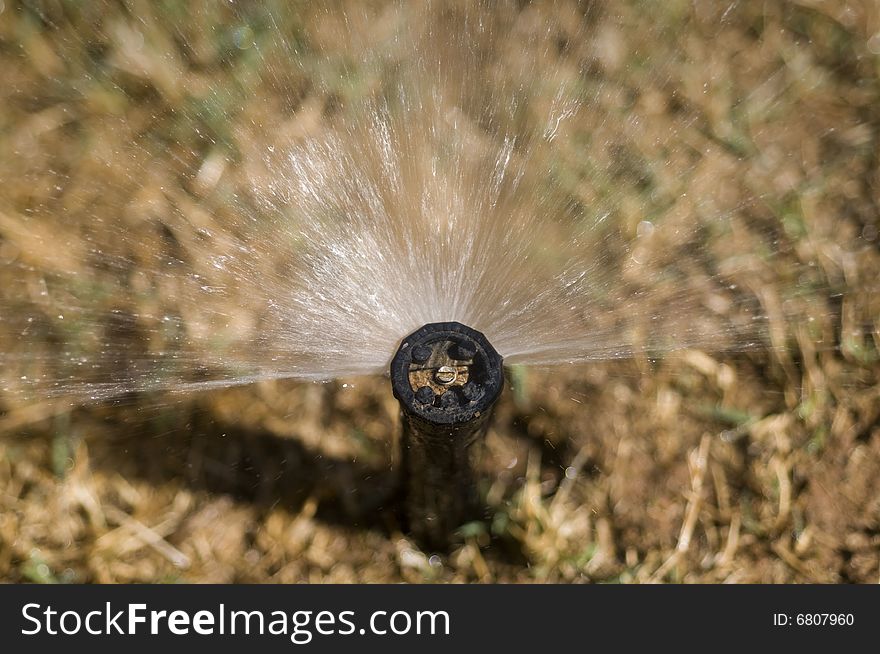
(446, 374)
(446, 377)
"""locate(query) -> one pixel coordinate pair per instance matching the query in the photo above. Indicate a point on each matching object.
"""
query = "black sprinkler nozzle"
(447, 378)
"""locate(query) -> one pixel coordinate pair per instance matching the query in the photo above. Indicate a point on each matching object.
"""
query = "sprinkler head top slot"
(446, 373)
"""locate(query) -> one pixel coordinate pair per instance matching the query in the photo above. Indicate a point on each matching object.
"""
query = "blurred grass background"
(756, 467)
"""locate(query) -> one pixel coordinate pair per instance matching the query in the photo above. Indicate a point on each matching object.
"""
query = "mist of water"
(538, 174)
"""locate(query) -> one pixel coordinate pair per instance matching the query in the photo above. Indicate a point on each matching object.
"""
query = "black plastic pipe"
(447, 378)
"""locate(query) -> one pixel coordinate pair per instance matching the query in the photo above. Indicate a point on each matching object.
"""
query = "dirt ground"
(754, 466)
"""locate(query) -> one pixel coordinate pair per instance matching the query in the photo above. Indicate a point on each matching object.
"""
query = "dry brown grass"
(755, 467)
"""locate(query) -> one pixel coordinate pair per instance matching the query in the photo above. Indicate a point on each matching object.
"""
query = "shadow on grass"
(188, 447)
(252, 466)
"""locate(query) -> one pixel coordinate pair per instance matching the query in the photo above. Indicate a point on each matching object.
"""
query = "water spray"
(447, 378)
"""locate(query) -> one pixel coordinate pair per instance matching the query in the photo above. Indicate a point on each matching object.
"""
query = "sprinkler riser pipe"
(439, 480)
(447, 378)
